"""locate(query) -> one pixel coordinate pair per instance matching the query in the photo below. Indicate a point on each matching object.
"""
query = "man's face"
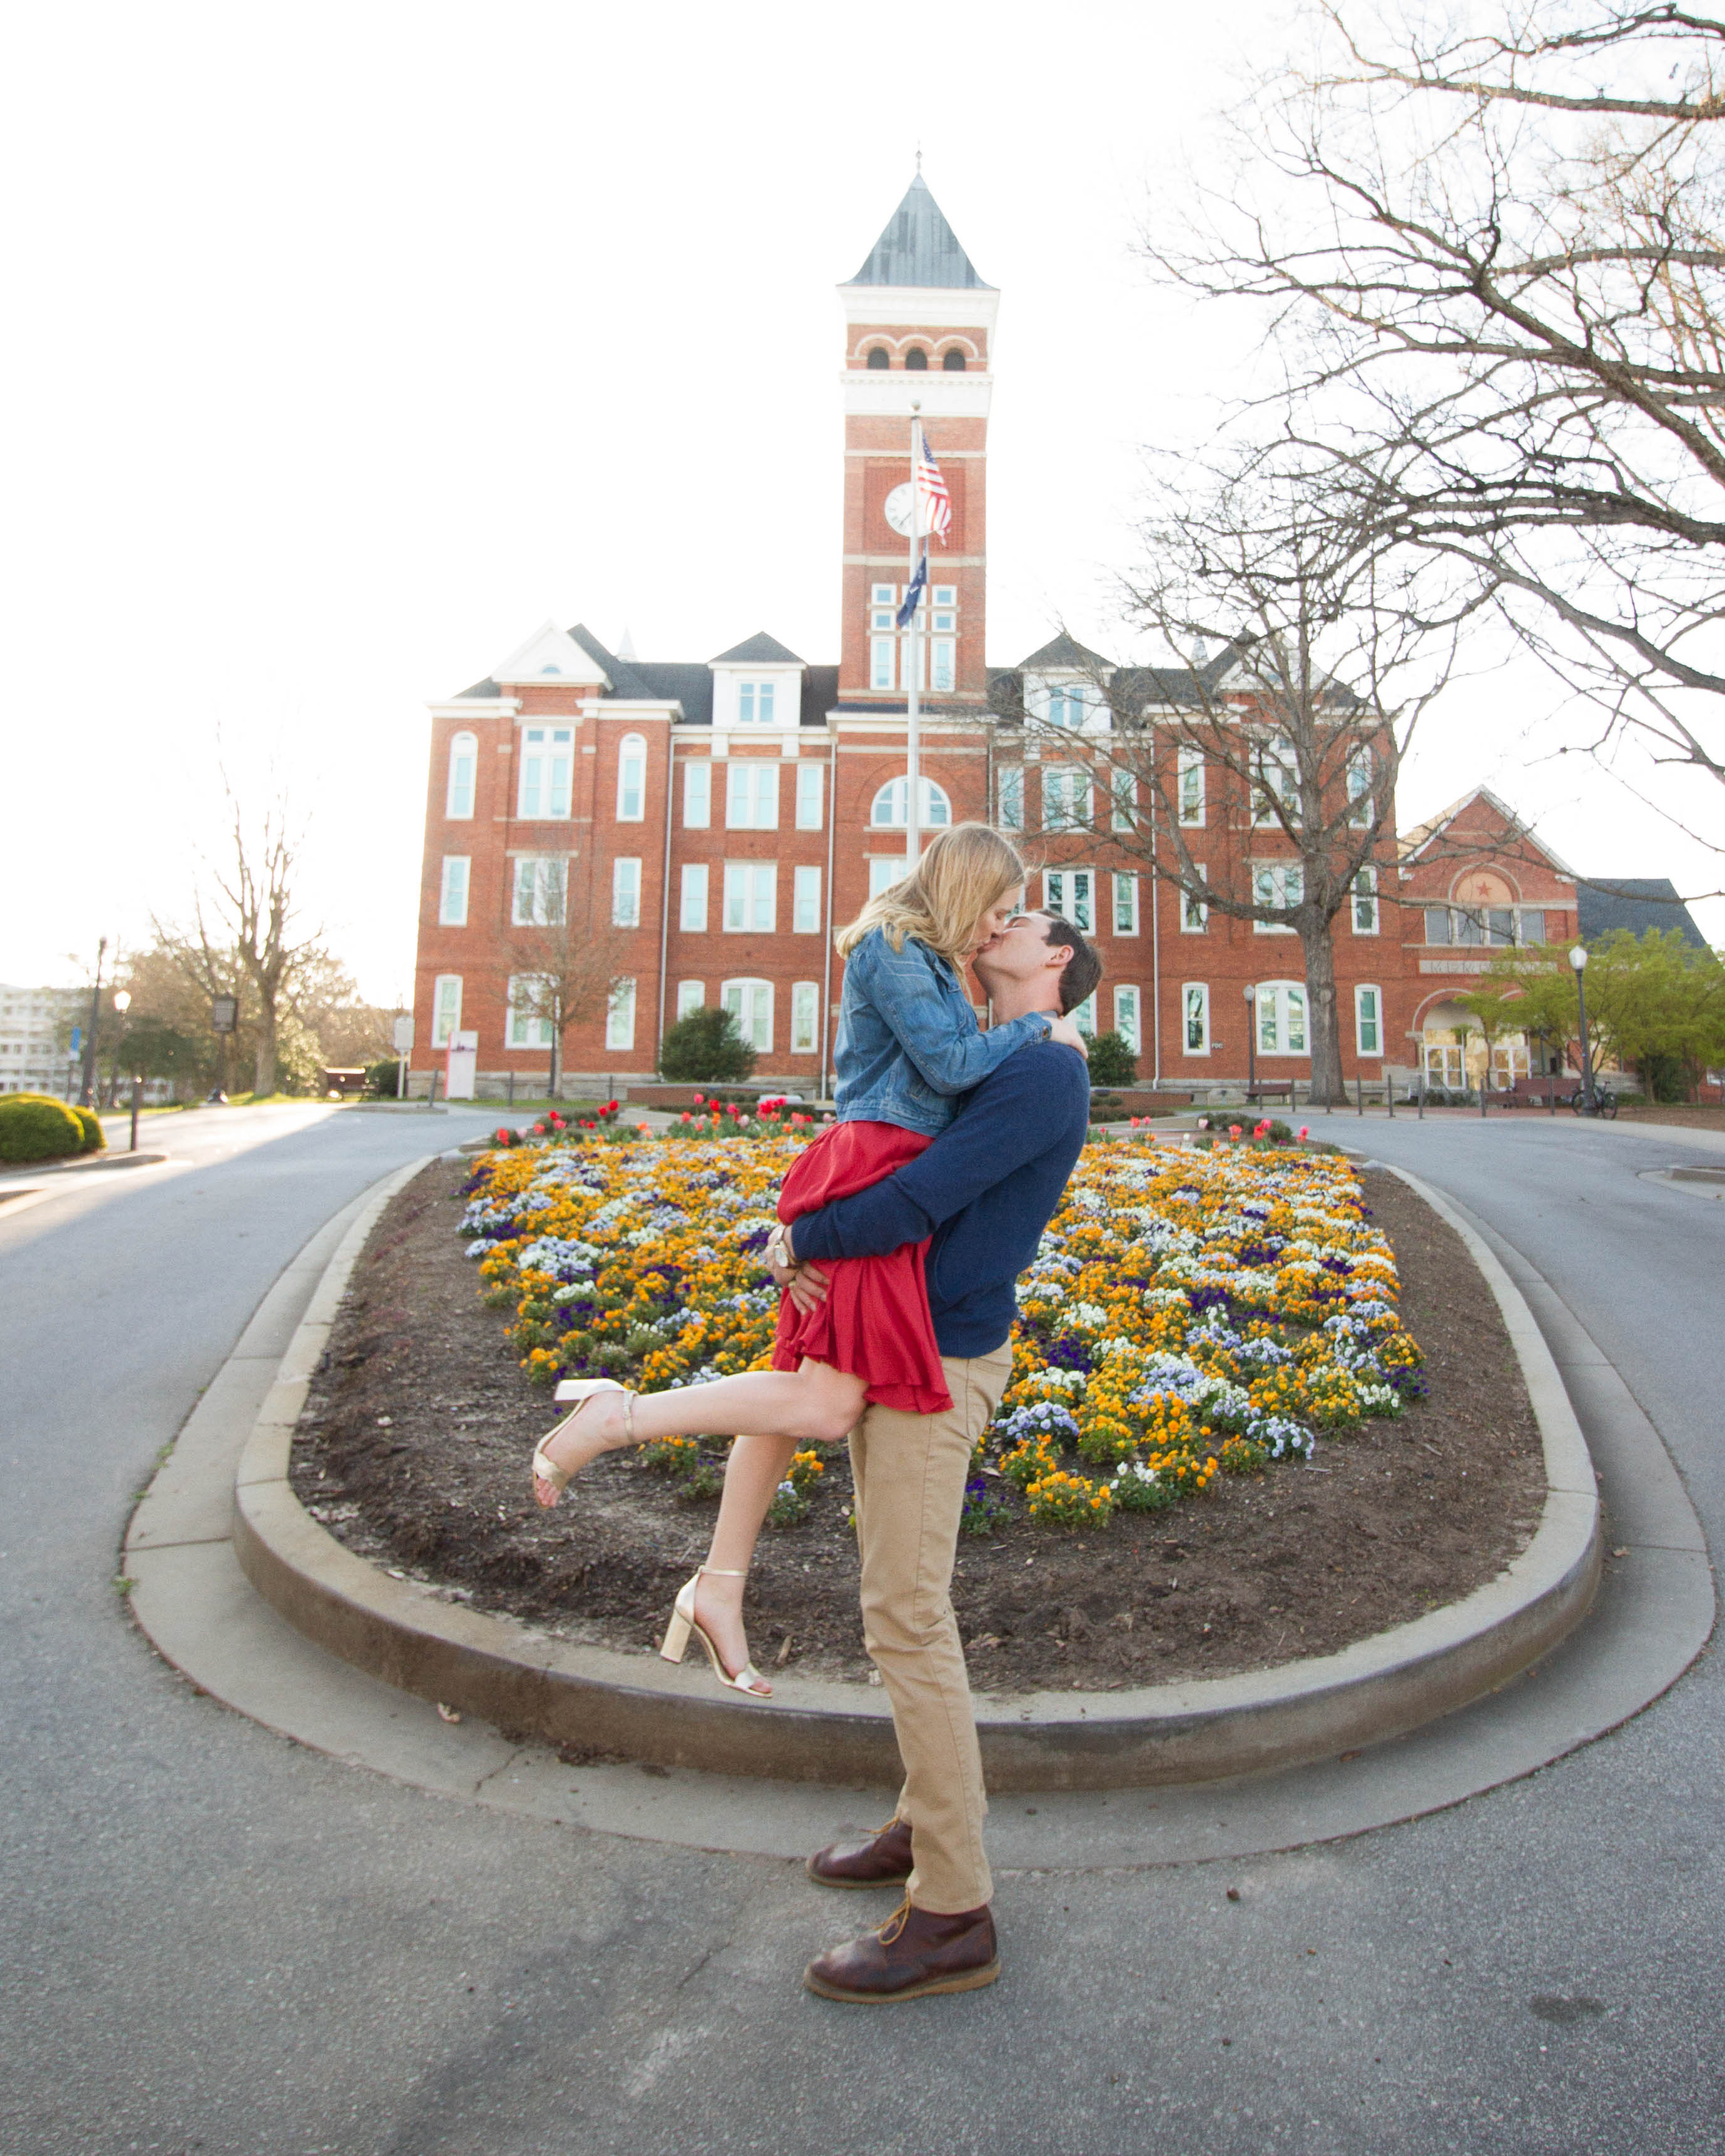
(1021, 951)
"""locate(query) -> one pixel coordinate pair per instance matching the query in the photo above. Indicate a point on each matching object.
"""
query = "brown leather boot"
(884, 1859)
(914, 1953)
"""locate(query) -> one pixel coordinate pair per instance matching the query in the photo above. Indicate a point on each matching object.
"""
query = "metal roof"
(759, 650)
(918, 247)
(1636, 903)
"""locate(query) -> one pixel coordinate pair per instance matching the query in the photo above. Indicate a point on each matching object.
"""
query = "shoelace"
(890, 1930)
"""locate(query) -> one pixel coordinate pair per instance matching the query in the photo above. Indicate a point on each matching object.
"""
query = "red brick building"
(716, 820)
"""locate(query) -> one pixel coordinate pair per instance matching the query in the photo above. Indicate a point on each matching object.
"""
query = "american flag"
(934, 505)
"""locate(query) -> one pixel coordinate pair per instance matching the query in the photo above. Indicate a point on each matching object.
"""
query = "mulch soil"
(414, 1445)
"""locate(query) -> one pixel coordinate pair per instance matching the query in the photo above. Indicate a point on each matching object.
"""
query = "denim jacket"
(908, 1041)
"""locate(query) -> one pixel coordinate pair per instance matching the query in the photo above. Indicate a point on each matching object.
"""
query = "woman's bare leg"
(816, 1401)
(756, 1466)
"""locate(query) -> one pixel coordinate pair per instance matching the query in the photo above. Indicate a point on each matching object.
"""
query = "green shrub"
(94, 1139)
(1111, 1061)
(703, 1045)
(33, 1128)
(383, 1078)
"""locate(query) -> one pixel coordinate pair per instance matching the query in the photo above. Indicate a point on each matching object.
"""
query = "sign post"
(404, 1049)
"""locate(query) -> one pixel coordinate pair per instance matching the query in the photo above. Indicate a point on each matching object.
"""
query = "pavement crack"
(502, 1767)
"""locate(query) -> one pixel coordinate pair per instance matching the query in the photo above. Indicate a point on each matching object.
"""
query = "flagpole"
(913, 836)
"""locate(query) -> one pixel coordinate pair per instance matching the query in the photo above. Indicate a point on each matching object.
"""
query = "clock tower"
(919, 332)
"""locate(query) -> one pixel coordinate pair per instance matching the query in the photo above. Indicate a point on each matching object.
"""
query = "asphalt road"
(211, 1940)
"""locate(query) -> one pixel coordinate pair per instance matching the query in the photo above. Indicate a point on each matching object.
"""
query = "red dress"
(874, 1321)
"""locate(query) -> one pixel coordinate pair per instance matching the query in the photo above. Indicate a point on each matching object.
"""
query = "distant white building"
(32, 1025)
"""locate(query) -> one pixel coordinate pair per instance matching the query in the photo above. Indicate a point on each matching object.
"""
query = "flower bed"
(1189, 1312)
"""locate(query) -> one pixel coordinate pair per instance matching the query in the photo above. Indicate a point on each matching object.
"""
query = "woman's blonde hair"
(965, 871)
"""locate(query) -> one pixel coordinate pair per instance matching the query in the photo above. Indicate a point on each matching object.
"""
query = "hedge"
(33, 1128)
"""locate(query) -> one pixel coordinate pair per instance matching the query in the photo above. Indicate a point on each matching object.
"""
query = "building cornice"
(477, 707)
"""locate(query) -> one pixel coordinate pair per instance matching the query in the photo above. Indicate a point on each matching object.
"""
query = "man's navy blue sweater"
(984, 1191)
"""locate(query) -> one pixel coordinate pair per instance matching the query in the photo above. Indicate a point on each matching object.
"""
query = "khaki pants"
(910, 1472)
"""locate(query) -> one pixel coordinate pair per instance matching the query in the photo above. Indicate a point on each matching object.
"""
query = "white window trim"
(811, 796)
(544, 813)
(620, 1004)
(1083, 812)
(1278, 871)
(554, 887)
(462, 745)
(1009, 797)
(937, 804)
(1281, 989)
(626, 891)
(805, 878)
(686, 1002)
(751, 782)
(514, 1016)
(1187, 761)
(1126, 884)
(746, 871)
(751, 981)
(448, 914)
(445, 1021)
(698, 793)
(1201, 990)
(692, 914)
(1127, 998)
(632, 746)
(1190, 905)
(1362, 989)
(805, 995)
(1368, 893)
(1049, 877)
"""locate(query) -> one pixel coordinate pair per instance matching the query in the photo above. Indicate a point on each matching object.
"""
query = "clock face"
(898, 508)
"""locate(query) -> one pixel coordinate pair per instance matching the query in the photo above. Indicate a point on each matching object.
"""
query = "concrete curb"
(1203, 1731)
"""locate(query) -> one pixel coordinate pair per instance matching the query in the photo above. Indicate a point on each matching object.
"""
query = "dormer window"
(879, 357)
(754, 704)
(917, 360)
(953, 362)
(1067, 704)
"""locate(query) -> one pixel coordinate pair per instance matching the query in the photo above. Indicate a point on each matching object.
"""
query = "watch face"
(898, 508)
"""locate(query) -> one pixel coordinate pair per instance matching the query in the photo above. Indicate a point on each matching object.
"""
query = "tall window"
(1367, 1021)
(811, 795)
(620, 1016)
(883, 637)
(1126, 1018)
(1189, 783)
(445, 1009)
(1009, 797)
(691, 996)
(547, 764)
(752, 793)
(1072, 894)
(805, 901)
(1066, 798)
(1123, 786)
(1276, 883)
(1126, 904)
(625, 894)
(1281, 1010)
(1359, 789)
(541, 882)
(942, 644)
(755, 701)
(1195, 914)
(1278, 781)
(452, 898)
(1084, 1016)
(884, 872)
(750, 1003)
(892, 802)
(697, 793)
(529, 1008)
(464, 767)
(805, 1018)
(631, 779)
(751, 896)
(691, 916)
(1365, 902)
(1195, 1018)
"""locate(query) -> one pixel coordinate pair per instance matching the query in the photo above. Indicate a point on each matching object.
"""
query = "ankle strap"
(723, 1572)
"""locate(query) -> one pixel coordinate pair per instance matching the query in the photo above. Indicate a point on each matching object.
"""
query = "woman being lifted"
(908, 1045)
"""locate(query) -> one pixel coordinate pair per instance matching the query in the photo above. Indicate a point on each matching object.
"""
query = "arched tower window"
(879, 356)
(917, 360)
(954, 362)
(464, 763)
(890, 803)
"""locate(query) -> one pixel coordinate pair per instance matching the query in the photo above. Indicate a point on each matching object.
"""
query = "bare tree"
(257, 900)
(562, 972)
(1259, 778)
(1504, 283)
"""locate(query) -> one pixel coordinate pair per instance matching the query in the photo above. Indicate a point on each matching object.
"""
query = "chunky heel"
(748, 1680)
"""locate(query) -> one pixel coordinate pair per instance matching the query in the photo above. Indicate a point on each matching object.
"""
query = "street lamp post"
(122, 1003)
(86, 1095)
(1249, 992)
(1577, 959)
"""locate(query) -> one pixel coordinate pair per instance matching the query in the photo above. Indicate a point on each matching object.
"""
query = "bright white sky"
(351, 341)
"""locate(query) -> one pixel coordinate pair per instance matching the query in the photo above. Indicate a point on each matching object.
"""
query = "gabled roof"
(1414, 842)
(1065, 651)
(918, 247)
(1636, 903)
(759, 650)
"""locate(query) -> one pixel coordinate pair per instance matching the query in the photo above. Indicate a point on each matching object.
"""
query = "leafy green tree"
(705, 1045)
(1111, 1061)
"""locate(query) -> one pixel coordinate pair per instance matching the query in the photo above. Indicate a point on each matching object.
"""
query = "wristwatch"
(778, 1248)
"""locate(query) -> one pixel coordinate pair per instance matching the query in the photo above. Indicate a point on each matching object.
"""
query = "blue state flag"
(914, 590)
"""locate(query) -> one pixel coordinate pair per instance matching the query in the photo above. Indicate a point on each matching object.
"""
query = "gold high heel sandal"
(581, 1390)
(748, 1679)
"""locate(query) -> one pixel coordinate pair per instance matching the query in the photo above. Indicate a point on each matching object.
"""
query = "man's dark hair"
(1082, 972)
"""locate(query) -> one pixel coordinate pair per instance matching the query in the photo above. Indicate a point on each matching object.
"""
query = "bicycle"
(1605, 1103)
